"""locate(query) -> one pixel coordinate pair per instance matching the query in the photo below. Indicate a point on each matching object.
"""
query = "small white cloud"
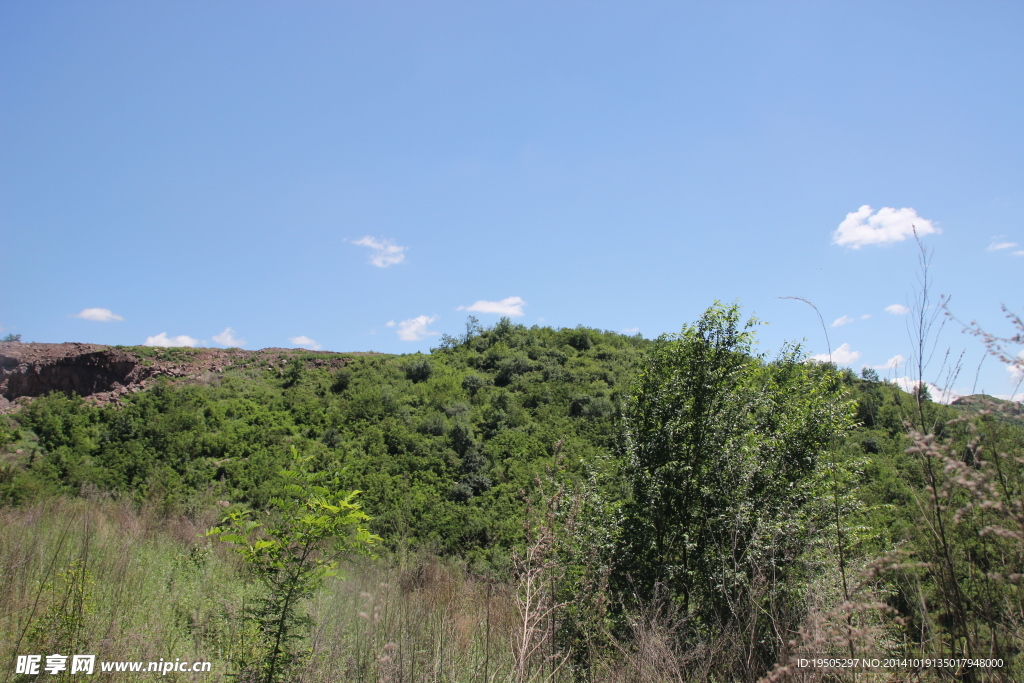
(865, 316)
(385, 252)
(1016, 370)
(892, 363)
(415, 329)
(100, 315)
(228, 338)
(512, 307)
(845, 320)
(390, 323)
(170, 342)
(938, 395)
(888, 225)
(844, 355)
(305, 342)
(631, 330)
(897, 309)
(1019, 253)
(997, 246)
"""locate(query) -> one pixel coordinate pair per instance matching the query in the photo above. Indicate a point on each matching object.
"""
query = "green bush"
(419, 370)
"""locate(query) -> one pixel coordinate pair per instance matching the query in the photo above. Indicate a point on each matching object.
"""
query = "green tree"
(291, 554)
(722, 451)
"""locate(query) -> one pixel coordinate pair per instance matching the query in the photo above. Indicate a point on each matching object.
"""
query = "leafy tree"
(473, 383)
(579, 338)
(12, 338)
(419, 370)
(722, 449)
(341, 380)
(293, 375)
(290, 555)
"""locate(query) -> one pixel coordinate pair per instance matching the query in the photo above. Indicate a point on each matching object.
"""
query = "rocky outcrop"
(30, 370)
(69, 368)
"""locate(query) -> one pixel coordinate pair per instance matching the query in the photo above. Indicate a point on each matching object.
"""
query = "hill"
(446, 447)
(1009, 411)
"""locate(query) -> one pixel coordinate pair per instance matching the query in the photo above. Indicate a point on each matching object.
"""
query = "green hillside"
(728, 503)
(446, 447)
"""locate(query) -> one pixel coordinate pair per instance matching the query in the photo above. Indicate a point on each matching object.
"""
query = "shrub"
(342, 380)
(473, 383)
(510, 368)
(419, 370)
(591, 406)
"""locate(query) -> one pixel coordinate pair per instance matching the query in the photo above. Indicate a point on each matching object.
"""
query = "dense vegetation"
(679, 504)
(447, 448)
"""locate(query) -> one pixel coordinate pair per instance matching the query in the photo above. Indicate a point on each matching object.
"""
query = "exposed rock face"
(69, 368)
(30, 370)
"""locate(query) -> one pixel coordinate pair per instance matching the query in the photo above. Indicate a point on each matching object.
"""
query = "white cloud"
(415, 329)
(938, 395)
(228, 338)
(892, 363)
(168, 342)
(845, 320)
(305, 342)
(865, 316)
(512, 307)
(897, 309)
(385, 252)
(631, 330)
(1016, 370)
(996, 246)
(844, 355)
(390, 323)
(100, 315)
(888, 225)
(1019, 253)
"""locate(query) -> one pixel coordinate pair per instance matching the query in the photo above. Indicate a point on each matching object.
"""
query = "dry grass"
(98, 577)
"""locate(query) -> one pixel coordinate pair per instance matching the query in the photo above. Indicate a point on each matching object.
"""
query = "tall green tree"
(723, 449)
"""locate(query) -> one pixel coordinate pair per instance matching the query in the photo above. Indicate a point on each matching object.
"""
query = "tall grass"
(428, 621)
(99, 577)
(95, 576)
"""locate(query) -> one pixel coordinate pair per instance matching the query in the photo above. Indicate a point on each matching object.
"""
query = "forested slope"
(682, 490)
(446, 447)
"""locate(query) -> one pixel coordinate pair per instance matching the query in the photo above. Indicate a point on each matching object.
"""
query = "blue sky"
(363, 176)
